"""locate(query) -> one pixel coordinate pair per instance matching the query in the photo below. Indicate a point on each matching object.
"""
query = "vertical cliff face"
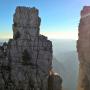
(83, 48)
(26, 60)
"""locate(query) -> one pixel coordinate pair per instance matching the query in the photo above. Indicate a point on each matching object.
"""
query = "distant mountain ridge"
(65, 62)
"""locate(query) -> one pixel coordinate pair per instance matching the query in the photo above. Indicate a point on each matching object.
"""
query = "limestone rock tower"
(83, 48)
(26, 60)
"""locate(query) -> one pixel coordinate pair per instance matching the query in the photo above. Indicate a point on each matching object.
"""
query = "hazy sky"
(60, 18)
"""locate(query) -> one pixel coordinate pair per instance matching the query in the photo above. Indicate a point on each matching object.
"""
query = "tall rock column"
(83, 48)
(26, 60)
(31, 53)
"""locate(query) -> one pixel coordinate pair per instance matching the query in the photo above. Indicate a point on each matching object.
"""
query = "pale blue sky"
(57, 15)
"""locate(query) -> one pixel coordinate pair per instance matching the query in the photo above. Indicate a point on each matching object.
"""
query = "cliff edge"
(83, 48)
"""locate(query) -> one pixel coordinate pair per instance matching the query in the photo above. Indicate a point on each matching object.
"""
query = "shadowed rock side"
(83, 48)
(26, 60)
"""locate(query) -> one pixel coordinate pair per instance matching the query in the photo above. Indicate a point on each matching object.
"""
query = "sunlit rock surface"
(83, 48)
(26, 60)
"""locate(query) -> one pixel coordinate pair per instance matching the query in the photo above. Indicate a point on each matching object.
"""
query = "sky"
(59, 18)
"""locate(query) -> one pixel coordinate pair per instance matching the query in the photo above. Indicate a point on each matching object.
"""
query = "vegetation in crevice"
(25, 57)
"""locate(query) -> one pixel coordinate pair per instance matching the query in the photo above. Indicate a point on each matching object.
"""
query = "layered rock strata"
(26, 60)
(83, 48)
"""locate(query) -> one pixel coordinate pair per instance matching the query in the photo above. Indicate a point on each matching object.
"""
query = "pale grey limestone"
(29, 54)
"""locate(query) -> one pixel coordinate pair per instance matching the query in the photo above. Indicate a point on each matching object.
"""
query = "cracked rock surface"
(26, 60)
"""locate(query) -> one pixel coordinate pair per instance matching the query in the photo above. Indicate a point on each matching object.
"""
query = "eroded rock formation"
(26, 60)
(83, 48)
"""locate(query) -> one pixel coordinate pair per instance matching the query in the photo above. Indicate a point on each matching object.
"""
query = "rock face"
(26, 60)
(83, 48)
(54, 82)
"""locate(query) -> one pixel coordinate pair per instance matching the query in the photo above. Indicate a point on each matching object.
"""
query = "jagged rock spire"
(29, 55)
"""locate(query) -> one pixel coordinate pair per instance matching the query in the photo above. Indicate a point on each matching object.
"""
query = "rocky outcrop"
(54, 81)
(26, 60)
(83, 48)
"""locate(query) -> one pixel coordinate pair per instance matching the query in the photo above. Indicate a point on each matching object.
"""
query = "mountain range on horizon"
(65, 62)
